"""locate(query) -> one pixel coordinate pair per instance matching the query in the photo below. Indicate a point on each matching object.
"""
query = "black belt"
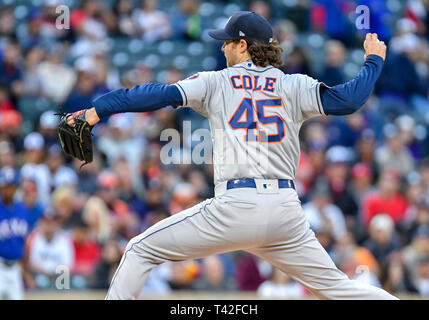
(250, 183)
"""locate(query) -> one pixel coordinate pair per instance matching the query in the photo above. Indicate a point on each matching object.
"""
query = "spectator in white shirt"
(49, 249)
(152, 23)
(323, 214)
(280, 286)
(34, 168)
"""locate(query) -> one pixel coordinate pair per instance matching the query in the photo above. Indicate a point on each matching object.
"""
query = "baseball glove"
(76, 140)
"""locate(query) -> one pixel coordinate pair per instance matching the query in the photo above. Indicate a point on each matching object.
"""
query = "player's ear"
(243, 45)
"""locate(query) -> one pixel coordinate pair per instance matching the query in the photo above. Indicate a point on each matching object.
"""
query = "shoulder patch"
(193, 76)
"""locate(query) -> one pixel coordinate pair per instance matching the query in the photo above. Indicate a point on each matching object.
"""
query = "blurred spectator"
(48, 125)
(424, 174)
(107, 77)
(123, 10)
(321, 213)
(185, 196)
(11, 70)
(421, 219)
(85, 89)
(261, 7)
(96, 214)
(119, 141)
(152, 24)
(123, 220)
(382, 237)
(415, 259)
(31, 81)
(183, 274)
(29, 199)
(213, 276)
(87, 175)
(416, 11)
(413, 193)
(61, 174)
(285, 32)
(50, 16)
(10, 126)
(63, 202)
(157, 283)
(338, 159)
(281, 286)
(199, 181)
(105, 269)
(186, 21)
(7, 24)
(407, 131)
(361, 183)
(312, 160)
(422, 280)
(34, 166)
(335, 56)
(15, 224)
(297, 61)
(55, 77)
(86, 250)
(394, 276)
(400, 80)
(5, 103)
(49, 249)
(365, 146)
(36, 32)
(393, 155)
(7, 155)
(251, 272)
(331, 17)
(387, 199)
(91, 23)
(355, 261)
(345, 131)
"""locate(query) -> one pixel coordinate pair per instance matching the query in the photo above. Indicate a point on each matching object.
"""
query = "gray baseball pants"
(271, 226)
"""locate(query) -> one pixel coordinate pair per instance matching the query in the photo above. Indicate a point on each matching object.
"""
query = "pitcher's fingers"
(70, 121)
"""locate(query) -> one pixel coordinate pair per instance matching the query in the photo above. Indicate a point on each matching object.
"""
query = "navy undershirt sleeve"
(145, 97)
(349, 97)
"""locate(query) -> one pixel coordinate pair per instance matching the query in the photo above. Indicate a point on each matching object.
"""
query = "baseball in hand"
(373, 45)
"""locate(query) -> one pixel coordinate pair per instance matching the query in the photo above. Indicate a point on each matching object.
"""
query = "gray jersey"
(255, 114)
(251, 111)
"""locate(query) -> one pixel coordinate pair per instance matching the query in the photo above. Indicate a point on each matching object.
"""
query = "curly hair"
(265, 54)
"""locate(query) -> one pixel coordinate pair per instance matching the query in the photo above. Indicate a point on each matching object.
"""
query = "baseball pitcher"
(255, 113)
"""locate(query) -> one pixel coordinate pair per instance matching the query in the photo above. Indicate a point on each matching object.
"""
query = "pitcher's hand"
(374, 46)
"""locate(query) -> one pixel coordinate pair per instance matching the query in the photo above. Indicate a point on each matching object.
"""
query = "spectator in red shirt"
(86, 250)
(386, 200)
(5, 103)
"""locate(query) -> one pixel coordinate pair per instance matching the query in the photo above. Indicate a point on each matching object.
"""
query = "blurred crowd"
(363, 179)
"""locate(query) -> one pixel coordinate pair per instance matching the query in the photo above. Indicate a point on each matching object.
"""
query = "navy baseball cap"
(245, 25)
(9, 177)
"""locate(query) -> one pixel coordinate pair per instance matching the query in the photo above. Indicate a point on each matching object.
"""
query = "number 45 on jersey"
(243, 118)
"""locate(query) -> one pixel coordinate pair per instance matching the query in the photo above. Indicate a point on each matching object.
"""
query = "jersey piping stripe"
(319, 103)
(190, 216)
(254, 70)
(184, 93)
